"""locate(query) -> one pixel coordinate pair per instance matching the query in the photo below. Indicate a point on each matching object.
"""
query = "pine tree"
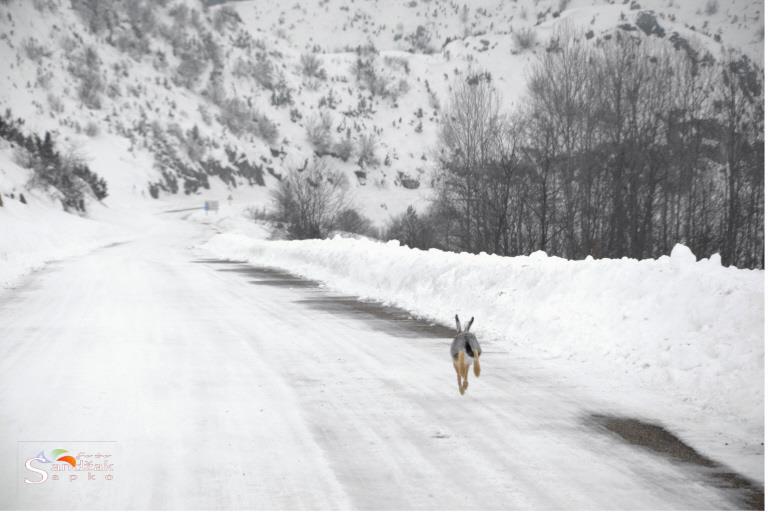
(46, 149)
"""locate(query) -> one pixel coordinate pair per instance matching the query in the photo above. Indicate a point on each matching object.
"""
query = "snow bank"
(31, 236)
(39, 231)
(672, 325)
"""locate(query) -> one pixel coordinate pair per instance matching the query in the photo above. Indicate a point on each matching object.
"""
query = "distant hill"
(173, 97)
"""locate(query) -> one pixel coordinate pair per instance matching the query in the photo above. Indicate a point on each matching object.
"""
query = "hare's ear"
(469, 324)
(458, 324)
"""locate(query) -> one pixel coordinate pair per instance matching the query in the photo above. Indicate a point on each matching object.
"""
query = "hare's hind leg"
(457, 367)
(476, 365)
(465, 371)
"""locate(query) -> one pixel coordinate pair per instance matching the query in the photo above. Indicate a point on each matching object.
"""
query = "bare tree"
(469, 139)
(310, 201)
(623, 147)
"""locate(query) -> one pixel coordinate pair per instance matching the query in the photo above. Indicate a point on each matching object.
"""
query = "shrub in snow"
(141, 17)
(243, 40)
(194, 144)
(260, 214)
(74, 160)
(215, 89)
(421, 40)
(464, 16)
(44, 5)
(35, 51)
(399, 63)
(647, 22)
(213, 51)
(128, 42)
(310, 201)
(237, 116)
(96, 14)
(225, 18)
(263, 71)
(114, 91)
(344, 147)
(366, 150)
(242, 68)
(402, 87)
(329, 100)
(366, 74)
(175, 35)
(175, 131)
(312, 67)
(411, 230)
(180, 14)
(86, 67)
(281, 94)
(352, 221)
(191, 65)
(43, 78)
(525, 38)
(319, 132)
(205, 114)
(267, 129)
(97, 184)
(92, 129)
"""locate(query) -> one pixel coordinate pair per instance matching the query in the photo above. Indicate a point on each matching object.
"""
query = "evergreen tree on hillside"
(66, 175)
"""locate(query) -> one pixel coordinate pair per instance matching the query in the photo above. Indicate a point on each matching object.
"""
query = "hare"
(465, 342)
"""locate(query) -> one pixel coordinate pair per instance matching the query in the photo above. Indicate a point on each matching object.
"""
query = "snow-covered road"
(218, 385)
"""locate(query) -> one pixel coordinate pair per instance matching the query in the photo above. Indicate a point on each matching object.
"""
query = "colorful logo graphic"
(57, 455)
(89, 461)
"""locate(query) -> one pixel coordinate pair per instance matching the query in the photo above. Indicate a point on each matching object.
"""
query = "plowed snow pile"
(688, 332)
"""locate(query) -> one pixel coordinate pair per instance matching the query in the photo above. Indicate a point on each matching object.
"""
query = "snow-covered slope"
(34, 230)
(337, 25)
(672, 339)
(174, 86)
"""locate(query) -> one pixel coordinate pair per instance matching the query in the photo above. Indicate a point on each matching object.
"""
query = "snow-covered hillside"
(175, 97)
(34, 230)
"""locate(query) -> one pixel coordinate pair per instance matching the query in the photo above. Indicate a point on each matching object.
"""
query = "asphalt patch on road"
(389, 319)
(216, 260)
(750, 495)
(272, 277)
(114, 244)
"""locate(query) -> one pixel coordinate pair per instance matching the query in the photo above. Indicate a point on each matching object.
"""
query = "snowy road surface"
(222, 386)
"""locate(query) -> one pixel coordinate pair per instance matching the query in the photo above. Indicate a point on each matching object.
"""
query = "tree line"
(623, 146)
